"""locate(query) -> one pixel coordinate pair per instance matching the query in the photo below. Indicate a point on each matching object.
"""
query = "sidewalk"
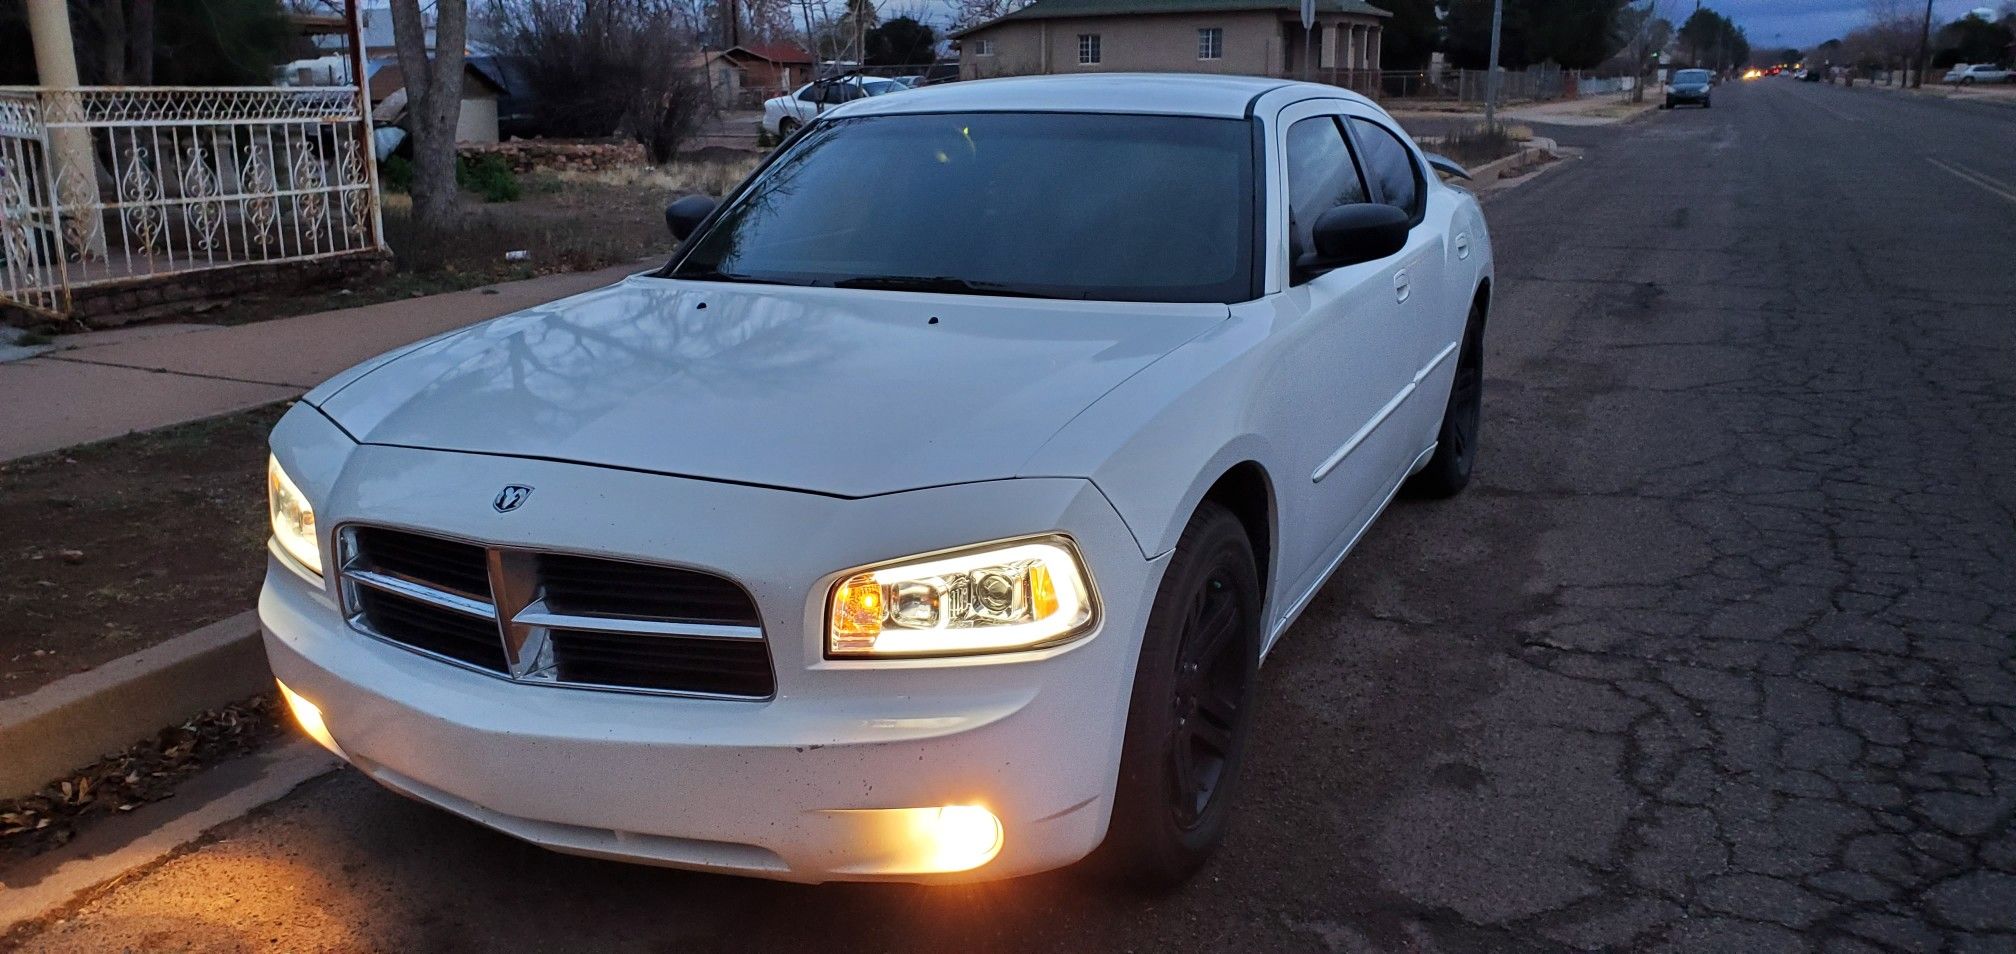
(1995, 95)
(111, 383)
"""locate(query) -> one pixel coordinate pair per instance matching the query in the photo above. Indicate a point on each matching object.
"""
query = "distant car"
(1965, 74)
(1809, 76)
(782, 115)
(1689, 86)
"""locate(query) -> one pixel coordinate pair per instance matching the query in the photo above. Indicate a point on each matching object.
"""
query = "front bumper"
(774, 788)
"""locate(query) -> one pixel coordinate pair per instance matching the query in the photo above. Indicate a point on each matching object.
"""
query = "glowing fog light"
(310, 718)
(961, 837)
(915, 841)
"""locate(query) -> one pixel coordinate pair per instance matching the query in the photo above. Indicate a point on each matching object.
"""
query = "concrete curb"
(1533, 152)
(79, 719)
(47, 883)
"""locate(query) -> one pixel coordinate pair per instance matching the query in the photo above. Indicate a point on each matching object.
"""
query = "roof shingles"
(1047, 9)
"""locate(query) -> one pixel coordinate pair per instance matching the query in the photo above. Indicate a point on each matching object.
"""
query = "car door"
(803, 104)
(1429, 318)
(1342, 358)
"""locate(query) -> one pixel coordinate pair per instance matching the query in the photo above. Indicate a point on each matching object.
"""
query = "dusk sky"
(1799, 23)
(1803, 23)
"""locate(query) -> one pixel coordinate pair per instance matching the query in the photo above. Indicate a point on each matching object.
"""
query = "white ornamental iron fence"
(118, 184)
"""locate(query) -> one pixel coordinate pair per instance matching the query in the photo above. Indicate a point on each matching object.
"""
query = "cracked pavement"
(1715, 655)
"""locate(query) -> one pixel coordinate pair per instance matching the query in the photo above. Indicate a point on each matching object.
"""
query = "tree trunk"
(433, 103)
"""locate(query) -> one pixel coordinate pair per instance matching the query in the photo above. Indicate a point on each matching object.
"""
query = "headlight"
(292, 516)
(999, 597)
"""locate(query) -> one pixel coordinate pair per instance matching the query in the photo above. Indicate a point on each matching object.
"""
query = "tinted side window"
(1389, 164)
(809, 94)
(1321, 176)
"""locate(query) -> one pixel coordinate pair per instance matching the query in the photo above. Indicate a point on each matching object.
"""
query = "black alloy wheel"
(1191, 708)
(1211, 675)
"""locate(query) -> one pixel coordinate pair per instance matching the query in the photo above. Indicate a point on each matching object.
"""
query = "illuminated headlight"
(292, 516)
(999, 597)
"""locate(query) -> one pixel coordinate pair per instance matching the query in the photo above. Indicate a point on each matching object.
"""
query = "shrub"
(488, 176)
(395, 174)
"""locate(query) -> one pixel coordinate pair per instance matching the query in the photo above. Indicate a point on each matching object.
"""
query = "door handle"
(1400, 285)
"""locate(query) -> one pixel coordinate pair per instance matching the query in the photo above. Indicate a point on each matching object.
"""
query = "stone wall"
(561, 155)
(178, 293)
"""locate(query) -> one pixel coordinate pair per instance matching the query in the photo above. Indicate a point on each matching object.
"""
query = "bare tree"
(603, 67)
(433, 102)
(967, 13)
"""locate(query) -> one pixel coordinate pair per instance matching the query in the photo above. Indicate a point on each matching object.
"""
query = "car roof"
(1178, 94)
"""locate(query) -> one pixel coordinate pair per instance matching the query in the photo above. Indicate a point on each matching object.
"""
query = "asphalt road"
(1716, 655)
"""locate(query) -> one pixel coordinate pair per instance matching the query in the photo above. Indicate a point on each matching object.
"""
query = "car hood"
(1690, 87)
(836, 391)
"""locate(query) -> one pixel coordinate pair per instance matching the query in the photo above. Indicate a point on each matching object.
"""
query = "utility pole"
(1924, 48)
(1491, 68)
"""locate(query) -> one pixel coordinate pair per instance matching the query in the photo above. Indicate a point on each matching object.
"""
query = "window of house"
(983, 47)
(1390, 165)
(1210, 43)
(1321, 176)
(1088, 49)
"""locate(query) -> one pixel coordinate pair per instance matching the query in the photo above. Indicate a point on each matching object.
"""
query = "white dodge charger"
(926, 517)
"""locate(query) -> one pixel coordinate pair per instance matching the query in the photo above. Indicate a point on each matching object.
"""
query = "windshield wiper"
(715, 275)
(918, 283)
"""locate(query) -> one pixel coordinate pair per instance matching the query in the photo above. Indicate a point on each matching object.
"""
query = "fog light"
(310, 719)
(910, 841)
(961, 837)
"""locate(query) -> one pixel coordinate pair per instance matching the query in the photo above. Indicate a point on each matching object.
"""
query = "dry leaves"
(147, 772)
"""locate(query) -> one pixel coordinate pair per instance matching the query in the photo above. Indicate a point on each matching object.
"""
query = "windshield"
(1691, 76)
(1055, 205)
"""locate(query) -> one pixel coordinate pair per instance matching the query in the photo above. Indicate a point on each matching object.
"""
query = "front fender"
(1155, 444)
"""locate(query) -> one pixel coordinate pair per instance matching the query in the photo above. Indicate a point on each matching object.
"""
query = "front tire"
(1189, 716)
(1448, 471)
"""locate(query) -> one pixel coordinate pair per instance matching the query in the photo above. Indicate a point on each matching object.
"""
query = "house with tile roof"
(1248, 37)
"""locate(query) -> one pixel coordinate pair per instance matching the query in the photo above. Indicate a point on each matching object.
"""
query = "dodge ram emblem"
(511, 497)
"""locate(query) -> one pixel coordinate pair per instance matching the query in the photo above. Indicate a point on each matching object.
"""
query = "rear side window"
(1390, 165)
(1321, 176)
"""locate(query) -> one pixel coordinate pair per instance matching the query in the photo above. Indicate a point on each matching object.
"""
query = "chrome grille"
(553, 618)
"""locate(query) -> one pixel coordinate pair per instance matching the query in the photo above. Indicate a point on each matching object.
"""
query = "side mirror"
(684, 215)
(1357, 232)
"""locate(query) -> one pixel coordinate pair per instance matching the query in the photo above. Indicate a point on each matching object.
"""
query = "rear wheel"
(1448, 471)
(786, 127)
(1190, 712)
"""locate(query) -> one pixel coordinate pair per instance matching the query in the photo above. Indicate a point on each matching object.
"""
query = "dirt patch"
(146, 772)
(111, 547)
